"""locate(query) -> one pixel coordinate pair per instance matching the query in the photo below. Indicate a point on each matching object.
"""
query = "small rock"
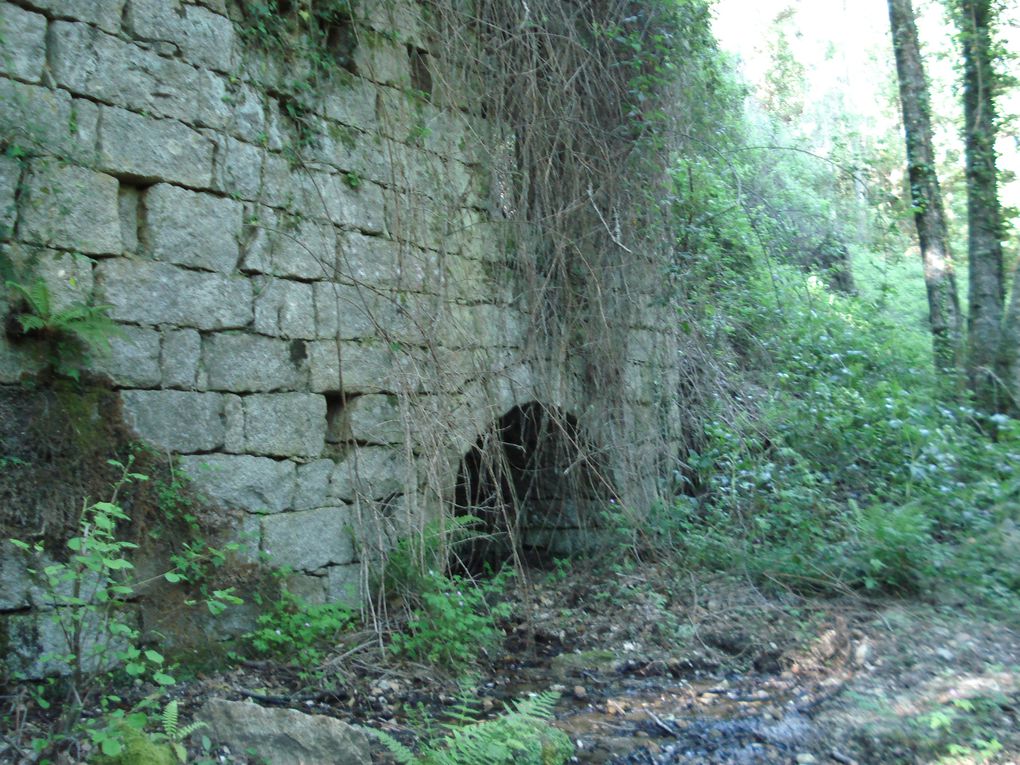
(580, 692)
(806, 759)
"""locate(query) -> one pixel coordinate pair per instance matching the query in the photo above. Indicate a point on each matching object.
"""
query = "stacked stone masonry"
(262, 299)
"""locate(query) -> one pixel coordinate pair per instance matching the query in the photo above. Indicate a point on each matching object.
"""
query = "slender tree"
(984, 213)
(926, 197)
(1009, 351)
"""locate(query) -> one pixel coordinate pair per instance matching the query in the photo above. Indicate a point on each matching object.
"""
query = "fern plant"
(173, 732)
(519, 736)
(69, 334)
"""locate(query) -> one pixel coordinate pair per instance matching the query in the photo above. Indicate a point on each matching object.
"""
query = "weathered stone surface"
(289, 246)
(310, 589)
(70, 206)
(132, 358)
(284, 736)
(325, 195)
(356, 106)
(254, 484)
(160, 293)
(105, 14)
(372, 367)
(344, 585)
(18, 362)
(23, 43)
(237, 167)
(381, 262)
(16, 583)
(202, 37)
(189, 229)
(176, 420)
(243, 363)
(285, 308)
(89, 62)
(370, 472)
(233, 413)
(67, 276)
(399, 18)
(180, 358)
(309, 540)
(312, 484)
(42, 118)
(10, 174)
(349, 312)
(148, 149)
(385, 62)
(35, 639)
(129, 204)
(376, 419)
(285, 424)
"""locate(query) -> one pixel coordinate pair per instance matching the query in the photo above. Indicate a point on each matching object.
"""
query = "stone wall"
(318, 327)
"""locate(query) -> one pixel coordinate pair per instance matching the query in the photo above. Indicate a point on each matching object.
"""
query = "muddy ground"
(655, 666)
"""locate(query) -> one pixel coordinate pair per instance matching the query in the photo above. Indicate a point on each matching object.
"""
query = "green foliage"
(69, 334)
(455, 621)
(299, 631)
(314, 40)
(89, 593)
(173, 733)
(853, 471)
(519, 735)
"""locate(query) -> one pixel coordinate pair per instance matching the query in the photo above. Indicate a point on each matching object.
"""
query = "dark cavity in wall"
(421, 74)
(534, 484)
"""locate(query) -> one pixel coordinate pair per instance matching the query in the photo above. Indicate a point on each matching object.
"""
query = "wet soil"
(658, 668)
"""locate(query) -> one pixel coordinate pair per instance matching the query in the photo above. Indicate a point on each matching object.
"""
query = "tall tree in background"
(987, 355)
(1009, 354)
(926, 197)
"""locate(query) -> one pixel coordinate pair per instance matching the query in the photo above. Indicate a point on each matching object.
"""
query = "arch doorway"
(537, 487)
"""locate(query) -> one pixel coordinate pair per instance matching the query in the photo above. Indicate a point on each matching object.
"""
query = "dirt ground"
(655, 666)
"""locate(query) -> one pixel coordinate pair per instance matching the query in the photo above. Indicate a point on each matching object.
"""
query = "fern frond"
(170, 720)
(401, 753)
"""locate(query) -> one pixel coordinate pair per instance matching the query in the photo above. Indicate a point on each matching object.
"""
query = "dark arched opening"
(535, 484)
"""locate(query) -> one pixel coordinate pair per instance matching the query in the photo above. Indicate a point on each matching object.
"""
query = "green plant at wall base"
(455, 621)
(69, 334)
(300, 631)
(519, 736)
(100, 645)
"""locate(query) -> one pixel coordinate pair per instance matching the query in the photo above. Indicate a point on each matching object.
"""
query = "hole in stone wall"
(421, 74)
(341, 40)
(536, 486)
(338, 423)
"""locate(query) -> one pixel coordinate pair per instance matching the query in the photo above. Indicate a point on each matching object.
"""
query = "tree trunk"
(1009, 350)
(926, 197)
(984, 217)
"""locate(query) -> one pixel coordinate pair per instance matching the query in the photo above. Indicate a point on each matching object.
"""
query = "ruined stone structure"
(317, 315)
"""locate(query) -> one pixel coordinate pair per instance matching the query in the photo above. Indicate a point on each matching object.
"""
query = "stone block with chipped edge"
(180, 358)
(149, 150)
(191, 229)
(242, 363)
(241, 481)
(285, 308)
(144, 292)
(179, 421)
(202, 37)
(132, 359)
(285, 424)
(23, 46)
(310, 539)
(69, 206)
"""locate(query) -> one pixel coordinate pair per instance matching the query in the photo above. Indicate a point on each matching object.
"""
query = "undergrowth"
(521, 735)
(852, 469)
